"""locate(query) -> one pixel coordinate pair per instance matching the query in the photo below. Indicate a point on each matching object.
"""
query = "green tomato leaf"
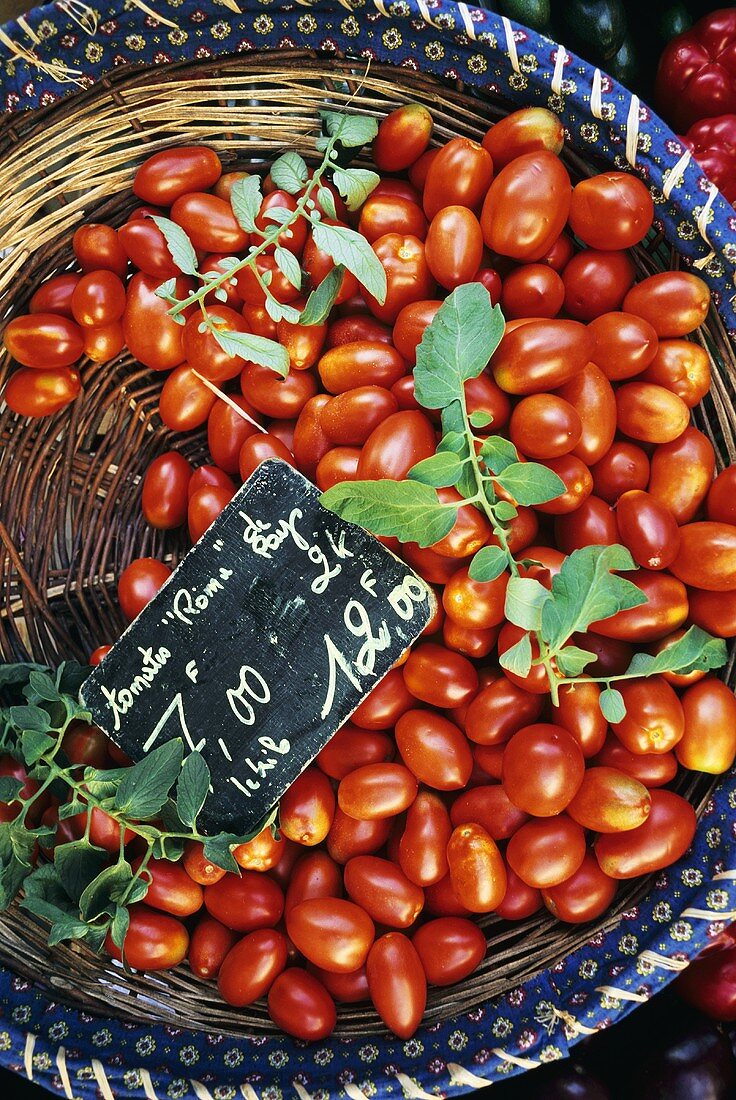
(257, 349)
(326, 200)
(439, 470)
(14, 675)
(30, 718)
(246, 199)
(613, 707)
(192, 788)
(278, 311)
(406, 509)
(505, 511)
(586, 591)
(180, 247)
(78, 863)
(167, 291)
(10, 788)
(69, 927)
(16, 854)
(322, 299)
(355, 185)
(106, 891)
(695, 650)
(44, 687)
(146, 785)
(488, 563)
(119, 926)
(34, 745)
(289, 172)
(498, 454)
(456, 346)
(46, 885)
(480, 419)
(572, 660)
(352, 250)
(351, 130)
(530, 483)
(279, 215)
(103, 783)
(518, 659)
(288, 265)
(525, 599)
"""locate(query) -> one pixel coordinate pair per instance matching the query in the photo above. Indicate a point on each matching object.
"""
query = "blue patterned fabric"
(83, 1055)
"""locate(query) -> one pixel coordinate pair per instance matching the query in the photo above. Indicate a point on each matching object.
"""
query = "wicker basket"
(70, 521)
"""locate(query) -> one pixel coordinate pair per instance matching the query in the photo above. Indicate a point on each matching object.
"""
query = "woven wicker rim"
(70, 487)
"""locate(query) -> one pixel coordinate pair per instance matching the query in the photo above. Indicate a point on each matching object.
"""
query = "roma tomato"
(307, 808)
(209, 223)
(185, 402)
(165, 499)
(397, 984)
(610, 801)
(450, 949)
(170, 173)
(520, 901)
(678, 679)
(152, 336)
(682, 367)
(720, 505)
(663, 838)
(596, 283)
(540, 356)
(209, 946)
(381, 214)
(357, 327)
(649, 413)
(459, 175)
(251, 967)
(251, 290)
(546, 851)
(104, 343)
(154, 941)
(399, 442)
(419, 170)
(377, 791)
(665, 610)
(483, 395)
(360, 363)
(423, 843)
(384, 705)
(403, 135)
(545, 426)
(477, 870)
(624, 467)
(611, 210)
(227, 431)
(214, 264)
(315, 875)
(681, 473)
(145, 246)
(258, 448)
(477, 605)
(673, 302)
(408, 276)
(85, 744)
(261, 853)
(202, 351)
(709, 741)
(499, 710)
(651, 769)
(654, 720)
(350, 837)
(41, 392)
(339, 464)
(527, 205)
(707, 556)
(714, 611)
(583, 897)
(98, 246)
(592, 397)
(344, 988)
(578, 711)
(98, 299)
(528, 130)
(304, 343)
(578, 485)
(332, 933)
(410, 326)
(43, 341)
(352, 415)
(318, 265)
(543, 767)
(709, 982)
(246, 902)
(490, 807)
(55, 295)
(434, 750)
(293, 238)
(592, 523)
(536, 682)
(139, 583)
(205, 506)
(533, 290)
(383, 891)
(454, 246)
(623, 345)
(198, 866)
(470, 531)
(170, 887)
(440, 677)
(300, 1005)
(310, 444)
(648, 529)
(223, 188)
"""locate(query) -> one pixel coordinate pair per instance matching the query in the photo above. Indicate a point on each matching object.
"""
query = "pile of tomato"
(456, 789)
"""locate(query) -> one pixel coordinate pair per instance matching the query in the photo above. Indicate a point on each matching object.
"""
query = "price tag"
(265, 639)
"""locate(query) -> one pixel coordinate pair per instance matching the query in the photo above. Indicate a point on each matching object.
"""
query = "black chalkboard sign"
(260, 645)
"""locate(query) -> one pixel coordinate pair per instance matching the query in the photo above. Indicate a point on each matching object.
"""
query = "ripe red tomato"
(204, 507)
(251, 967)
(721, 502)
(307, 808)
(578, 485)
(251, 290)
(209, 476)
(209, 223)
(423, 843)
(350, 837)
(610, 801)
(543, 767)
(470, 641)
(154, 941)
(41, 392)
(197, 865)
(261, 853)
(526, 207)
(355, 328)
(315, 875)
(450, 949)
(403, 135)
(520, 901)
(545, 426)
(673, 302)
(583, 897)
(98, 246)
(184, 402)
(209, 946)
(476, 605)
(440, 900)
(666, 610)
(202, 351)
(458, 175)
(624, 467)
(319, 264)
(470, 531)
(303, 343)
(166, 175)
(650, 413)
(43, 341)
(258, 448)
(648, 529)
(596, 283)
(663, 838)
(623, 345)
(407, 274)
(293, 238)
(714, 611)
(707, 556)
(434, 750)
(98, 299)
(490, 807)
(360, 363)
(165, 499)
(332, 933)
(246, 902)
(454, 246)
(55, 295)
(499, 710)
(104, 343)
(145, 246)
(383, 891)
(578, 711)
(540, 356)
(709, 983)
(152, 336)
(681, 473)
(440, 677)
(300, 1005)
(339, 464)
(709, 741)
(592, 523)
(611, 210)
(275, 396)
(377, 791)
(227, 431)
(399, 442)
(533, 290)
(384, 705)
(654, 720)
(139, 583)
(477, 870)
(397, 984)
(310, 444)
(85, 744)
(528, 130)
(546, 851)
(651, 769)
(352, 748)
(381, 214)
(682, 367)
(350, 417)
(536, 681)
(170, 887)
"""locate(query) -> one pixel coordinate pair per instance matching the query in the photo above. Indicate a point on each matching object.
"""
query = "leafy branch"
(81, 891)
(348, 249)
(488, 474)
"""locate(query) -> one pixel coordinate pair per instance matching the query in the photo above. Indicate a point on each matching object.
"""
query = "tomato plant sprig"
(82, 893)
(349, 249)
(488, 474)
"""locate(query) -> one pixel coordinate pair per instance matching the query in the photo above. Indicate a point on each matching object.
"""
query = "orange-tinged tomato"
(666, 610)
(673, 302)
(459, 175)
(528, 130)
(339, 464)
(648, 529)
(436, 675)
(349, 836)
(410, 325)
(170, 887)
(470, 531)
(681, 473)
(209, 946)
(304, 343)
(300, 1005)
(307, 808)
(350, 417)
(154, 941)
(98, 246)
(202, 350)
(709, 741)
(360, 363)
(475, 604)
(490, 807)
(623, 345)
(611, 210)
(403, 135)
(251, 967)
(578, 711)
(98, 299)
(423, 843)
(319, 264)
(592, 397)
(450, 949)
(650, 413)
(546, 851)
(454, 246)
(583, 897)
(261, 853)
(246, 902)
(610, 801)
(383, 213)
(41, 392)
(545, 426)
(654, 720)
(682, 367)
(383, 891)
(209, 222)
(152, 336)
(663, 838)
(275, 396)
(397, 984)
(434, 750)
(714, 611)
(408, 278)
(578, 485)
(332, 933)
(377, 791)
(43, 341)
(543, 767)
(166, 175)
(477, 870)
(540, 356)
(499, 710)
(198, 866)
(104, 342)
(707, 556)
(527, 205)
(399, 442)
(678, 679)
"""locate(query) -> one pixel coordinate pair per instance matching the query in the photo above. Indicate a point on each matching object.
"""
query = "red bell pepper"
(713, 144)
(696, 77)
